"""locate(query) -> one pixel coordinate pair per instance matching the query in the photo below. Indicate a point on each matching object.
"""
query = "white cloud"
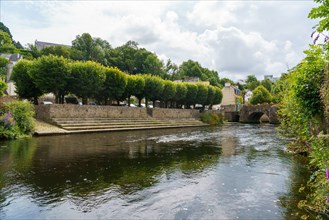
(236, 38)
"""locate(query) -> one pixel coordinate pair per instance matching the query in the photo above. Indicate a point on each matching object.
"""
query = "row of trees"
(90, 80)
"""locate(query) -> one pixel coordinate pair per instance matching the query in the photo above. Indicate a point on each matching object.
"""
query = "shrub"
(212, 118)
(22, 113)
(8, 126)
(260, 95)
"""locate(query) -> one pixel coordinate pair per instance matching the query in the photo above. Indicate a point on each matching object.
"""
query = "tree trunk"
(128, 100)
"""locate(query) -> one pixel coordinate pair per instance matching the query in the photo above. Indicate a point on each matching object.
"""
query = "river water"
(237, 171)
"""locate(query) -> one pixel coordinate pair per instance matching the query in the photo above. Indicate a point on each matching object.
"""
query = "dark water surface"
(235, 171)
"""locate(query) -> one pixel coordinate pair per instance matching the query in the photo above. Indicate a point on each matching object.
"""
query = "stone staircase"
(84, 125)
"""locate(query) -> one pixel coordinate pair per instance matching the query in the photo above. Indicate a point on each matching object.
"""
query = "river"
(237, 171)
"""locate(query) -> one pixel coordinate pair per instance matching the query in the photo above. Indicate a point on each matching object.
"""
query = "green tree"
(153, 88)
(57, 51)
(191, 94)
(202, 94)
(218, 96)
(267, 84)
(180, 97)
(251, 82)
(25, 86)
(169, 92)
(260, 95)
(321, 12)
(135, 86)
(87, 79)
(115, 84)
(211, 96)
(3, 87)
(190, 68)
(51, 74)
(94, 49)
(3, 68)
(6, 44)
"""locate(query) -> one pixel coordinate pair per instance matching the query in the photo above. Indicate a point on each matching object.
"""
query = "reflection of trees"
(61, 165)
(299, 176)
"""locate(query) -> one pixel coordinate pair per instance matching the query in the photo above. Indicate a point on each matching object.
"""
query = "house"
(231, 96)
(13, 59)
(41, 45)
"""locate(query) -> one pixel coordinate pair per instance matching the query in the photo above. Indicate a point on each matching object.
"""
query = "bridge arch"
(253, 113)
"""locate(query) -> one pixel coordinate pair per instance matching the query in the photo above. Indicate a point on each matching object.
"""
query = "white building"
(13, 59)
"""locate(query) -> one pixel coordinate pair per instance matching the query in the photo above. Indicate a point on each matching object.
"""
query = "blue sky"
(235, 38)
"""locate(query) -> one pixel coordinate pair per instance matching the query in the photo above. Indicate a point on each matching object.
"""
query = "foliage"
(94, 49)
(218, 96)
(169, 91)
(153, 88)
(260, 95)
(50, 74)
(3, 68)
(6, 43)
(267, 84)
(212, 118)
(181, 90)
(3, 87)
(321, 12)
(202, 94)
(8, 127)
(251, 82)
(16, 120)
(87, 79)
(191, 94)
(22, 113)
(57, 51)
(115, 84)
(25, 86)
(135, 86)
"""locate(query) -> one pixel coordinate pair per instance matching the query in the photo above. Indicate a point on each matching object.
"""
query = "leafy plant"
(212, 118)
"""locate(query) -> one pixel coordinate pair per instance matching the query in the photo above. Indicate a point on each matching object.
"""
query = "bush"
(260, 95)
(8, 127)
(212, 118)
(22, 114)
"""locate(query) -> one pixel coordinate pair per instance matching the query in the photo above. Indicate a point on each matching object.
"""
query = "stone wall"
(174, 113)
(46, 112)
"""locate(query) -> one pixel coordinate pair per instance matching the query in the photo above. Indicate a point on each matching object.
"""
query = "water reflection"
(229, 172)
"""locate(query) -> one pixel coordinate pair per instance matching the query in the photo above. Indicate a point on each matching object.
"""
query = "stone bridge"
(253, 113)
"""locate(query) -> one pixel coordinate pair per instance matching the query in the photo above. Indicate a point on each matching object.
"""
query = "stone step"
(131, 128)
(126, 126)
(111, 124)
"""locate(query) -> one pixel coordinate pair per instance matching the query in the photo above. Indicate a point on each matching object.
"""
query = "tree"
(94, 49)
(115, 84)
(321, 12)
(3, 68)
(135, 86)
(57, 51)
(25, 86)
(6, 43)
(50, 74)
(181, 90)
(169, 92)
(153, 88)
(211, 96)
(267, 84)
(191, 94)
(218, 96)
(87, 79)
(171, 69)
(190, 68)
(260, 95)
(202, 94)
(3, 87)
(251, 82)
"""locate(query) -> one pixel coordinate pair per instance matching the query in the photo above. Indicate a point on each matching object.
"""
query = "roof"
(41, 44)
(12, 57)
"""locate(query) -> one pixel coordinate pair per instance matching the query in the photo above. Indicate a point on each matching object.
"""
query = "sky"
(235, 38)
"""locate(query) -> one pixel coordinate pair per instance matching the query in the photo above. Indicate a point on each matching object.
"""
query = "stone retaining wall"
(46, 112)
